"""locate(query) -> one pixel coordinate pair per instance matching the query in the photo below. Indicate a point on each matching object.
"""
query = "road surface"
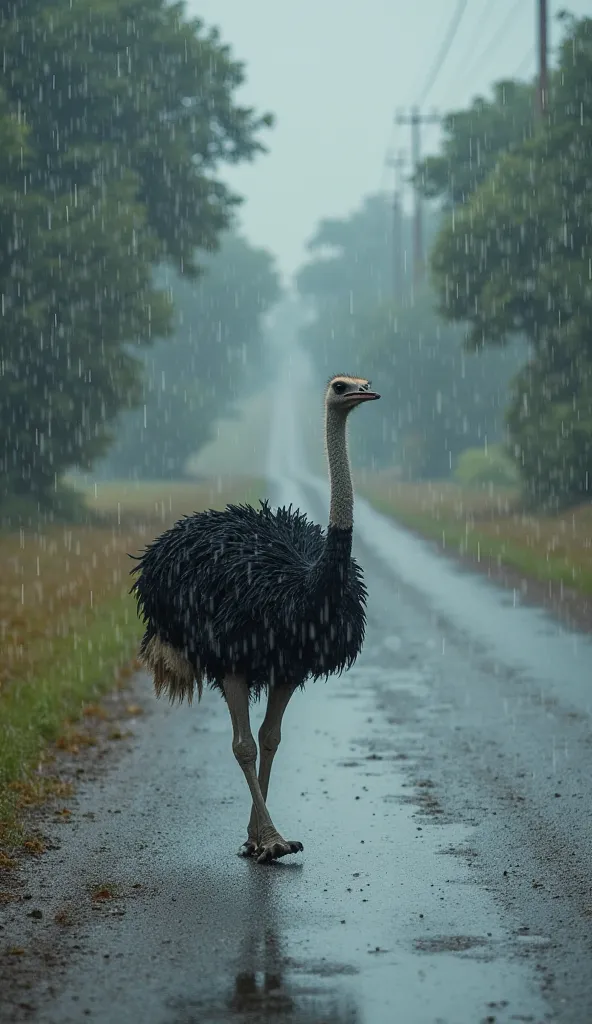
(441, 789)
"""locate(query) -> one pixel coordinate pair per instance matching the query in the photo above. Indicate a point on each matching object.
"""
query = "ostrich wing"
(261, 564)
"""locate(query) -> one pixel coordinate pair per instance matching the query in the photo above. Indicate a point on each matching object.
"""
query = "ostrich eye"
(339, 387)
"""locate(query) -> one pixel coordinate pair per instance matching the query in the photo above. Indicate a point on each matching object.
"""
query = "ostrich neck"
(341, 509)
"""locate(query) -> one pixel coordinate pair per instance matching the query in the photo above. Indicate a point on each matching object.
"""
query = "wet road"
(442, 792)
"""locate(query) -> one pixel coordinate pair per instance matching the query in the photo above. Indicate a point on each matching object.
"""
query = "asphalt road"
(441, 790)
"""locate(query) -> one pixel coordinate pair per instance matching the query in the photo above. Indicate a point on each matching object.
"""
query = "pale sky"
(334, 73)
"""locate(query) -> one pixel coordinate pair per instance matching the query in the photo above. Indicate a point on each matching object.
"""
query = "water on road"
(440, 789)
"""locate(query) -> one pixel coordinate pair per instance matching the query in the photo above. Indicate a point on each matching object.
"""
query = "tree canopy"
(115, 116)
(515, 259)
(443, 400)
(214, 356)
(474, 140)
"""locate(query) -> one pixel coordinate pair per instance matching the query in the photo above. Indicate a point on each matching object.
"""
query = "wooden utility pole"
(415, 120)
(542, 90)
(397, 163)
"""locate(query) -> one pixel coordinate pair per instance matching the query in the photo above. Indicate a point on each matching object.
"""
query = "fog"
(296, 333)
(304, 210)
(334, 74)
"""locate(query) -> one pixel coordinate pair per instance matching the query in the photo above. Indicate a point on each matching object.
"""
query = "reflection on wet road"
(377, 921)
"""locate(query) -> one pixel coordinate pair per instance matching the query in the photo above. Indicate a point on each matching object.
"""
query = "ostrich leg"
(271, 844)
(270, 735)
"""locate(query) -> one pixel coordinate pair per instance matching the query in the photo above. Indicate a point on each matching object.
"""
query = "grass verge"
(68, 626)
(488, 525)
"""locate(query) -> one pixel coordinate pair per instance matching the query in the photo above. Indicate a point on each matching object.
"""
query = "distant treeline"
(214, 355)
(499, 348)
(439, 400)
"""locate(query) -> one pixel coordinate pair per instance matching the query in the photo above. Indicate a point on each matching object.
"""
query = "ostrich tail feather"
(173, 674)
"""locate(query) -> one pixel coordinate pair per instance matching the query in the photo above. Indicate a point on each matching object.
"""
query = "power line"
(444, 50)
(526, 60)
(498, 36)
(482, 23)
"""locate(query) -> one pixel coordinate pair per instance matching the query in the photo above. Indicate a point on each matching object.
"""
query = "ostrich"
(251, 600)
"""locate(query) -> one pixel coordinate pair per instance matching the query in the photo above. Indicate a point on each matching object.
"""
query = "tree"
(516, 260)
(214, 356)
(349, 271)
(441, 400)
(474, 140)
(550, 421)
(129, 110)
(72, 295)
(116, 86)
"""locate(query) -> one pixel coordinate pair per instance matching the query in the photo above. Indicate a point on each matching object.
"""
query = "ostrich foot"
(248, 848)
(274, 847)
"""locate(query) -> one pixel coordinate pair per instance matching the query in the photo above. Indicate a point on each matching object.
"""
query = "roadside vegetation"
(68, 626)
(493, 345)
(132, 323)
(490, 524)
(484, 439)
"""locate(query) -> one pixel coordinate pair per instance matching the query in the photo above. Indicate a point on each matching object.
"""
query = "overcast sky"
(334, 72)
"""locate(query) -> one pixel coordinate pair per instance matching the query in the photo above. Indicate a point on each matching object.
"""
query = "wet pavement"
(380, 919)
(441, 791)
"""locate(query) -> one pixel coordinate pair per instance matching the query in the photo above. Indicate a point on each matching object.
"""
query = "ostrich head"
(344, 393)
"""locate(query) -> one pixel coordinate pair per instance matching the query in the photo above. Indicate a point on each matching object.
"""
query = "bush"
(550, 423)
(478, 467)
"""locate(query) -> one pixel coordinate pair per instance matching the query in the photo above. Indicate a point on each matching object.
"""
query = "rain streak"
(295, 511)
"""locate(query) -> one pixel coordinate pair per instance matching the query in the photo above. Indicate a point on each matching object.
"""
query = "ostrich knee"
(245, 751)
(270, 737)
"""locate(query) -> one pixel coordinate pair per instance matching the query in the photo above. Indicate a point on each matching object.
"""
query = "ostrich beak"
(362, 396)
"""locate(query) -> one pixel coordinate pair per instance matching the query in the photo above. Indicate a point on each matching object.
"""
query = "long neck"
(341, 509)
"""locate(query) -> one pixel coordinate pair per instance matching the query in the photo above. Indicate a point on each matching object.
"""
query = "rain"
(295, 511)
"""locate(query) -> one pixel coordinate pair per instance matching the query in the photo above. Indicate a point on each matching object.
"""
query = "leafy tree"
(129, 110)
(116, 86)
(550, 420)
(474, 140)
(213, 357)
(440, 399)
(516, 259)
(64, 371)
(350, 271)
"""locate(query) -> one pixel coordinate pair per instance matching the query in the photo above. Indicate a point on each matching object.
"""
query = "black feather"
(268, 595)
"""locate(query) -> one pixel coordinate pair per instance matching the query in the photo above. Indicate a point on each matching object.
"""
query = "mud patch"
(321, 968)
(450, 944)
(426, 803)
(467, 852)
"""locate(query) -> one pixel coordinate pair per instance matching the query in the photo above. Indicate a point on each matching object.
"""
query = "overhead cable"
(444, 50)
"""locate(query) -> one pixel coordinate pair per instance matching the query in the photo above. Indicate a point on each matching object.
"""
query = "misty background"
(172, 225)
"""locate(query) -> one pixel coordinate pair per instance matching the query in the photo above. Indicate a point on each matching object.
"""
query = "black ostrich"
(253, 599)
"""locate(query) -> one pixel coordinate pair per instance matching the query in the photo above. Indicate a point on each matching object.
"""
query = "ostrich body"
(253, 599)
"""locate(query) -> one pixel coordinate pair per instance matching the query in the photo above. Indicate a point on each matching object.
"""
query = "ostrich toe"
(276, 847)
(248, 848)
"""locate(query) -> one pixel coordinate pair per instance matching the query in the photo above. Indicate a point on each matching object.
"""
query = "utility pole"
(397, 163)
(415, 119)
(542, 90)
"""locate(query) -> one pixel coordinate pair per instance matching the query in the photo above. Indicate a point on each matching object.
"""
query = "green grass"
(488, 525)
(68, 625)
(83, 667)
